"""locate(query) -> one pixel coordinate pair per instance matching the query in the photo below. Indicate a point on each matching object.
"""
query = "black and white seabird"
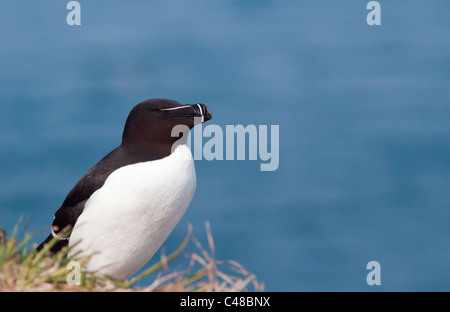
(124, 208)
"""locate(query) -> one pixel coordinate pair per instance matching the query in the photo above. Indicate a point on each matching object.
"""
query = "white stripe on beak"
(201, 111)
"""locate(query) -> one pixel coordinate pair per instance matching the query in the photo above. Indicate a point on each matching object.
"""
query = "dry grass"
(22, 268)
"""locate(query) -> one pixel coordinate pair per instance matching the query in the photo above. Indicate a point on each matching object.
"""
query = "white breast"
(126, 221)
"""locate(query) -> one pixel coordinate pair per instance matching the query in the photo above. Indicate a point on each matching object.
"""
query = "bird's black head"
(149, 125)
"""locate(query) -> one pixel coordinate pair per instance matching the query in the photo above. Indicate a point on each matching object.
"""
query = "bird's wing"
(67, 215)
(73, 205)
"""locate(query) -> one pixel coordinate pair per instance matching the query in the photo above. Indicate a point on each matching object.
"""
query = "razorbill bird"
(124, 208)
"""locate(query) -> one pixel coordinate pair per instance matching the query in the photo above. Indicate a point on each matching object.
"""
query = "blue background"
(363, 112)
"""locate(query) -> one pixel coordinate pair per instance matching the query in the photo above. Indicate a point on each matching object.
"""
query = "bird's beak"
(198, 112)
(202, 111)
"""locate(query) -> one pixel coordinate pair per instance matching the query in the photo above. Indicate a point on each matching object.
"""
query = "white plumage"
(126, 221)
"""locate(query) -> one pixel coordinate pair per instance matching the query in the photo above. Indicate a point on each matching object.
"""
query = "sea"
(363, 113)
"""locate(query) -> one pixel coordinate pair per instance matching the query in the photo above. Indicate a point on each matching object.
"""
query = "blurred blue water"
(363, 112)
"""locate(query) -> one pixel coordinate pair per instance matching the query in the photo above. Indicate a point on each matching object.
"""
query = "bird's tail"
(61, 243)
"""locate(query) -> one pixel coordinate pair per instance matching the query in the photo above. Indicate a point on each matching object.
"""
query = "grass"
(22, 268)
